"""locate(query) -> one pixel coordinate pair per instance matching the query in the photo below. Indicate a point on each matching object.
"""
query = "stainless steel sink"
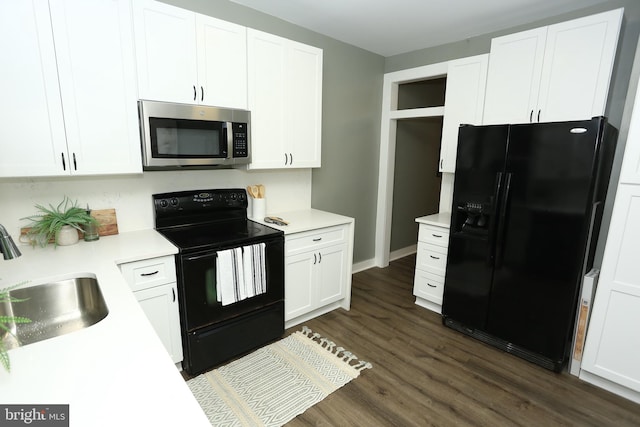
(55, 309)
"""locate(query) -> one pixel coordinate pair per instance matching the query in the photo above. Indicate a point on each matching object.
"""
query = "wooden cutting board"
(106, 217)
(108, 221)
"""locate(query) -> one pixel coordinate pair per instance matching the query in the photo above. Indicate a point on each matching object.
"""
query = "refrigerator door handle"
(494, 217)
(500, 235)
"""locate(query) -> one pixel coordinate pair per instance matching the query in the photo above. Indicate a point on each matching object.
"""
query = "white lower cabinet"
(431, 263)
(153, 282)
(317, 273)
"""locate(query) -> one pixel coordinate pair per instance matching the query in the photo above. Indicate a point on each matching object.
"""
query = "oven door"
(197, 285)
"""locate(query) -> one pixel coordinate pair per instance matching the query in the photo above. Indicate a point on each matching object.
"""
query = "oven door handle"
(197, 257)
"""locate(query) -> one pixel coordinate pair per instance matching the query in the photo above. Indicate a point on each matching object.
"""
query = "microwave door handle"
(229, 140)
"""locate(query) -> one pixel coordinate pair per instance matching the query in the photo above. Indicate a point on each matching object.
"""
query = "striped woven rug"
(274, 384)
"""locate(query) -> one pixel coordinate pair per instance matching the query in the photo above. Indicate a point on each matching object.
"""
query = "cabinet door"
(32, 132)
(266, 65)
(222, 63)
(160, 304)
(612, 347)
(166, 52)
(630, 173)
(96, 65)
(513, 79)
(578, 63)
(464, 103)
(300, 285)
(304, 98)
(331, 266)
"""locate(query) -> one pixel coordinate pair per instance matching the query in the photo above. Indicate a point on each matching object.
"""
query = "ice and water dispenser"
(472, 218)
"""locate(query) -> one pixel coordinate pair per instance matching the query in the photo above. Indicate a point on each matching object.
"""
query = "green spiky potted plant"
(6, 323)
(60, 223)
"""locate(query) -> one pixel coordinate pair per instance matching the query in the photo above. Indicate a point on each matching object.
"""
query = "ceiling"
(391, 27)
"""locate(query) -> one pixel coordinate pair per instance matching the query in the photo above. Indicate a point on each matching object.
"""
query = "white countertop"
(441, 219)
(305, 220)
(115, 372)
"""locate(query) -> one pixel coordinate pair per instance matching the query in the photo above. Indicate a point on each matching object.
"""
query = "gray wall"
(352, 98)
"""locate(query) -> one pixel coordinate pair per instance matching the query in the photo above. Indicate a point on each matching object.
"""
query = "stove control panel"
(199, 201)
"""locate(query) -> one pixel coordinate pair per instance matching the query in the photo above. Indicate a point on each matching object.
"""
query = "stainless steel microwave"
(177, 136)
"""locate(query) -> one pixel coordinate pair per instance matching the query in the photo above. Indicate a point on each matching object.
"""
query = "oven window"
(173, 138)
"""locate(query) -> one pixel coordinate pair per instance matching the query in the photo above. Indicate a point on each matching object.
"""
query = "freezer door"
(541, 245)
(479, 166)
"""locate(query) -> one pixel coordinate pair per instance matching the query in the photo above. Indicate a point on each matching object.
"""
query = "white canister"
(259, 208)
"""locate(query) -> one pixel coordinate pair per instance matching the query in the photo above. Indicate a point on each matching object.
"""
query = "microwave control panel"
(240, 140)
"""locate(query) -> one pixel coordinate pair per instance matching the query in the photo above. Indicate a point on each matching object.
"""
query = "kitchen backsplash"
(130, 195)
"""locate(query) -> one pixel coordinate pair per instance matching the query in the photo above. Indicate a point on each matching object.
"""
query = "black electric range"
(202, 224)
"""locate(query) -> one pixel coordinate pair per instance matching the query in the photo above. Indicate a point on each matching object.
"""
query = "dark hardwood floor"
(426, 374)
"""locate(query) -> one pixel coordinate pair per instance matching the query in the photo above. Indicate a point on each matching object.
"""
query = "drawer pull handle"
(173, 292)
(317, 239)
(434, 257)
(436, 235)
(430, 285)
(150, 274)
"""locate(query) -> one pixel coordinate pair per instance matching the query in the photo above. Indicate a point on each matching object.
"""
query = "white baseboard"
(363, 265)
(401, 253)
(370, 263)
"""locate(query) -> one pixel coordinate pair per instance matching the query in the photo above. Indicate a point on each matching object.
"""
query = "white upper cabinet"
(96, 65)
(188, 57)
(285, 99)
(463, 104)
(556, 73)
(515, 67)
(32, 133)
(222, 62)
(93, 82)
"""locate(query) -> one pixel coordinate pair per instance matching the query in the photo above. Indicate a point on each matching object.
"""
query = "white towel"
(255, 277)
(229, 276)
(240, 273)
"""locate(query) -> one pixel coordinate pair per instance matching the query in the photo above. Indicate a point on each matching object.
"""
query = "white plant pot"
(67, 236)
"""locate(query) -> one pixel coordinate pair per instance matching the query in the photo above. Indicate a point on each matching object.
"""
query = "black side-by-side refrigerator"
(527, 207)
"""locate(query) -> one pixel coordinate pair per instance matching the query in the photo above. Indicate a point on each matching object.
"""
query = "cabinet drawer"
(316, 239)
(149, 272)
(433, 235)
(432, 258)
(428, 286)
